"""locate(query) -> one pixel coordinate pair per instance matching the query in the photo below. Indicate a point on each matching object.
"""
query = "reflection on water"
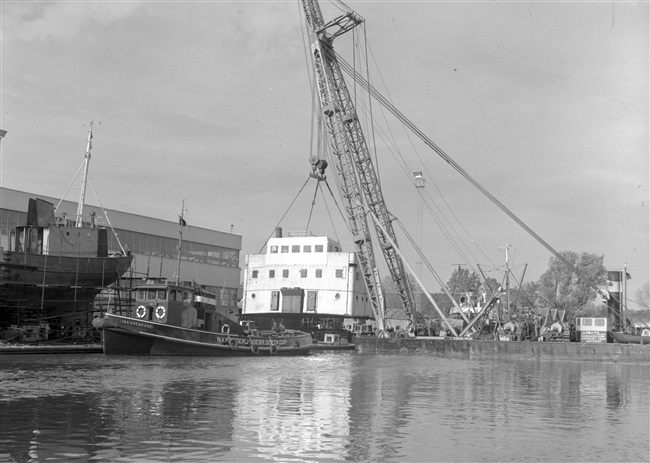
(322, 407)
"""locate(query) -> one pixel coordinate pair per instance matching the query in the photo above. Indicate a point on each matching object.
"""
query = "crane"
(358, 181)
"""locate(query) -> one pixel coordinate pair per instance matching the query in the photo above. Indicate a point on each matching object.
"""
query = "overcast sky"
(544, 103)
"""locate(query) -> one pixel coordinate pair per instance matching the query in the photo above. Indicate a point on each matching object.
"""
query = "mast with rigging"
(84, 179)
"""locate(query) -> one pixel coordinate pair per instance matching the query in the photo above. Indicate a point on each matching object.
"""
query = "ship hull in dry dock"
(35, 280)
(53, 263)
(53, 270)
(128, 336)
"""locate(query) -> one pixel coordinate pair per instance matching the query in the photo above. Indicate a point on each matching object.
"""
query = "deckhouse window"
(306, 248)
(318, 248)
(295, 248)
(319, 273)
(274, 249)
(285, 273)
(284, 249)
(339, 273)
(254, 273)
(303, 273)
(271, 273)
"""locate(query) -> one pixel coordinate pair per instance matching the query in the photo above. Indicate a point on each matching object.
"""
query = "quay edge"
(51, 349)
(502, 350)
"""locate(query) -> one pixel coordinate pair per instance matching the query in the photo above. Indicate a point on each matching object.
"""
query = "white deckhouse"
(304, 282)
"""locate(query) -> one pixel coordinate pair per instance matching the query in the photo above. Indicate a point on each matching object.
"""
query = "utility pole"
(507, 281)
(419, 186)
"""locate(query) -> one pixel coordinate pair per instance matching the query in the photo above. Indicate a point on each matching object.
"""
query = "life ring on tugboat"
(225, 329)
(556, 327)
(509, 327)
(160, 312)
(141, 311)
(255, 349)
(273, 349)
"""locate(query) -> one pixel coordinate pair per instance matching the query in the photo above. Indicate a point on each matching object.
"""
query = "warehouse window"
(151, 245)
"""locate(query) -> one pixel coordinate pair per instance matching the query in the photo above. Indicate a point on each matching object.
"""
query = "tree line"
(559, 287)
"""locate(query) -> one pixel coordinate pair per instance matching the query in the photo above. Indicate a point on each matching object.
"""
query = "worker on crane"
(318, 167)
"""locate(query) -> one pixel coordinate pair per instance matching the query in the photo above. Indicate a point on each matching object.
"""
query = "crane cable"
(329, 214)
(448, 230)
(284, 215)
(311, 211)
(388, 105)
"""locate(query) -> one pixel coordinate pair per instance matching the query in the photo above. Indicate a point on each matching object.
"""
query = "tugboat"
(176, 319)
(173, 319)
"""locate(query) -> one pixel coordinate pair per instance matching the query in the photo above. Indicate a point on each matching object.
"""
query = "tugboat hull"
(127, 336)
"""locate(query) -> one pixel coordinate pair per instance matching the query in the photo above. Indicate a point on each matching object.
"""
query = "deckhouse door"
(311, 301)
(275, 300)
(292, 299)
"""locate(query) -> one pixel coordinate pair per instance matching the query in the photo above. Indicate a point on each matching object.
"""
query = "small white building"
(305, 282)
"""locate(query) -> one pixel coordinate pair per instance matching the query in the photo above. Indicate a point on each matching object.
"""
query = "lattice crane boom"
(358, 180)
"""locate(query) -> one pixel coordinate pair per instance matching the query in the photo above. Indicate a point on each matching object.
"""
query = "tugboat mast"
(181, 224)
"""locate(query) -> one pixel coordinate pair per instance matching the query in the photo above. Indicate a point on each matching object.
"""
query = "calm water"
(320, 408)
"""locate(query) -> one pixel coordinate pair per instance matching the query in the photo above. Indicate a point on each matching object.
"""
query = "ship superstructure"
(304, 282)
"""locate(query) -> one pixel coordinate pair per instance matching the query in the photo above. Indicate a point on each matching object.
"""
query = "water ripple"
(326, 407)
